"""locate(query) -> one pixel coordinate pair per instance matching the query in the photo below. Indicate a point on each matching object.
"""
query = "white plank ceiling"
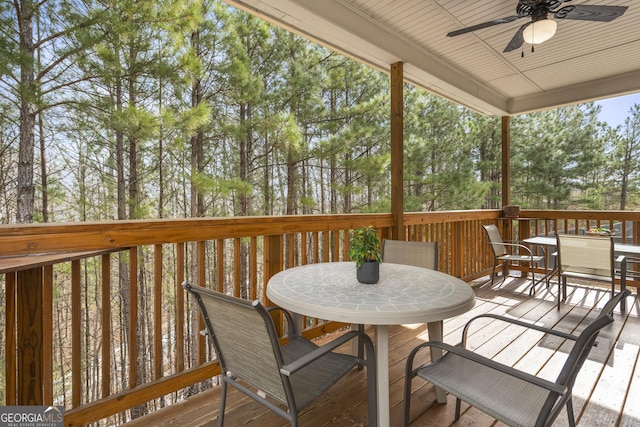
(584, 61)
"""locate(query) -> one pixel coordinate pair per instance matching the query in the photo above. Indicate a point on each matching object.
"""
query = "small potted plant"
(365, 251)
(599, 231)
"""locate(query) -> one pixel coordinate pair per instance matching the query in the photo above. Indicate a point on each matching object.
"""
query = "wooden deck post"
(506, 173)
(506, 161)
(397, 151)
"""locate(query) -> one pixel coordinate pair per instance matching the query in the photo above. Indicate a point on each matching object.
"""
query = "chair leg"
(223, 401)
(407, 400)
(360, 348)
(562, 289)
(532, 291)
(457, 417)
(372, 388)
(570, 417)
(493, 273)
(505, 270)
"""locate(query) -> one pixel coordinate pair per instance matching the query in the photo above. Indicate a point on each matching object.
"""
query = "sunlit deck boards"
(603, 395)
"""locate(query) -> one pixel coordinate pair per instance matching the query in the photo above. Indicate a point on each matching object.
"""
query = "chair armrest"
(519, 246)
(300, 363)
(467, 354)
(291, 330)
(518, 323)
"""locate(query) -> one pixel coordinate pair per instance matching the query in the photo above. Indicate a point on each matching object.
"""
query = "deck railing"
(95, 318)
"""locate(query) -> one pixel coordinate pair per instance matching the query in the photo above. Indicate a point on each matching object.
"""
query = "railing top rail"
(438, 217)
(28, 239)
(43, 238)
(594, 215)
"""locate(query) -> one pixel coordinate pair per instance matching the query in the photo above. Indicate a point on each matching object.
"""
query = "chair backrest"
(244, 339)
(581, 348)
(419, 254)
(495, 239)
(591, 255)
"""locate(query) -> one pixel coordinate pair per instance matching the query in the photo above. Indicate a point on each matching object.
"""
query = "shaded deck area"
(605, 393)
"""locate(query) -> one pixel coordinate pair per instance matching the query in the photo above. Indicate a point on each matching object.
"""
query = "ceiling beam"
(594, 90)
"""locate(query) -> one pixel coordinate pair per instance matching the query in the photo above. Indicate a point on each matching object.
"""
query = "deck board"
(604, 393)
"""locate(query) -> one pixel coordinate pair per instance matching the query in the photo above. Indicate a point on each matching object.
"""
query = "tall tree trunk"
(291, 182)
(627, 170)
(267, 182)
(246, 148)
(43, 172)
(43, 157)
(160, 156)
(133, 145)
(119, 133)
(623, 191)
(24, 213)
(333, 159)
(197, 141)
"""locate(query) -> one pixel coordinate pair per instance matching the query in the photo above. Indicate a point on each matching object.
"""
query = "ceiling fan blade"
(483, 25)
(590, 13)
(517, 40)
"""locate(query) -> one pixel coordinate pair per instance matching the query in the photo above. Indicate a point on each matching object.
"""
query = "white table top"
(541, 240)
(619, 248)
(404, 294)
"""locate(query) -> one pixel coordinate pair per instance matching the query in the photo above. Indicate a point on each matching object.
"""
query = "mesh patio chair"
(418, 254)
(511, 251)
(512, 396)
(591, 258)
(253, 361)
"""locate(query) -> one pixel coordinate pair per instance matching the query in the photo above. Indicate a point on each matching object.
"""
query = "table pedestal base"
(382, 365)
(435, 334)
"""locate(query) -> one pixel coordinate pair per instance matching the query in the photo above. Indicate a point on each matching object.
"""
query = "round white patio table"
(404, 294)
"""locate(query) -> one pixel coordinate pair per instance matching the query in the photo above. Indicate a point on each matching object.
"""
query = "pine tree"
(625, 156)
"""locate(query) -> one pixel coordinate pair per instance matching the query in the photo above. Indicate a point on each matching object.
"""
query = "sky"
(616, 110)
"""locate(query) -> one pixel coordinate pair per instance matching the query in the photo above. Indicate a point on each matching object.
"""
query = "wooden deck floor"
(607, 391)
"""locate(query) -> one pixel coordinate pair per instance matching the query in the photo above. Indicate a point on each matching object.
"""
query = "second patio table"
(404, 294)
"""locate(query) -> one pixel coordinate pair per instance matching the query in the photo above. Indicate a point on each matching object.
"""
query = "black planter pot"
(369, 272)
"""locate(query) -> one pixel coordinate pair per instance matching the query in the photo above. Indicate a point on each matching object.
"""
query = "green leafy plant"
(365, 246)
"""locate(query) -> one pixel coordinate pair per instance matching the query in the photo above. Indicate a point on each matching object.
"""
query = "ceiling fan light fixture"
(539, 31)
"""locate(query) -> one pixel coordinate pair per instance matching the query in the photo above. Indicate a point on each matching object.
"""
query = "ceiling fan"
(540, 28)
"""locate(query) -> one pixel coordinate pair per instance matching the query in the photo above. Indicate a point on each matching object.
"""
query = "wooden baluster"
(106, 325)
(253, 268)
(200, 274)
(10, 328)
(47, 337)
(76, 335)
(29, 336)
(237, 268)
(273, 263)
(180, 264)
(133, 317)
(157, 312)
